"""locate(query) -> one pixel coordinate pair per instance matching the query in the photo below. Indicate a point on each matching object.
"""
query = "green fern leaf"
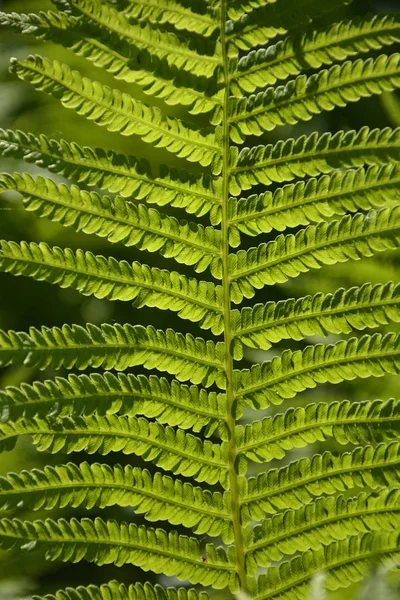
(42, 25)
(119, 591)
(125, 175)
(191, 54)
(324, 244)
(173, 86)
(304, 97)
(162, 12)
(170, 449)
(340, 312)
(109, 542)
(314, 200)
(164, 45)
(115, 347)
(293, 372)
(320, 47)
(312, 155)
(269, 19)
(107, 278)
(158, 497)
(343, 562)
(324, 520)
(118, 220)
(153, 397)
(237, 8)
(297, 483)
(346, 422)
(117, 111)
(127, 64)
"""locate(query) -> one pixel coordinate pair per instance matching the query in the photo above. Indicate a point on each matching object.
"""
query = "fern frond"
(352, 237)
(346, 422)
(155, 77)
(125, 175)
(118, 220)
(153, 397)
(119, 591)
(131, 65)
(293, 372)
(170, 449)
(115, 347)
(320, 47)
(163, 12)
(296, 484)
(340, 192)
(43, 24)
(343, 562)
(304, 97)
(267, 20)
(157, 497)
(109, 542)
(321, 522)
(312, 155)
(102, 277)
(237, 8)
(117, 111)
(191, 57)
(347, 190)
(244, 36)
(341, 312)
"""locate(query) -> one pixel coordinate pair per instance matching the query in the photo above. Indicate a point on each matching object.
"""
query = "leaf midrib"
(335, 41)
(96, 165)
(302, 98)
(317, 425)
(151, 287)
(299, 157)
(106, 49)
(113, 110)
(368, 555)
(119, 543)
(303, 482)
(309, 249)
(264, 543)
(129, 393)
(118, 433)
(313, 315)
(322, 365)
(324, 197)
(125, 487)
(96, 345)
(200, 246)
(128, 34)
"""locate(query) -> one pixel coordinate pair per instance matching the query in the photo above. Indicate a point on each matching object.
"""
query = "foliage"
(224, 68)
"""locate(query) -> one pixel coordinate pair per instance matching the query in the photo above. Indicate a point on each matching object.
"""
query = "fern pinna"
(245, 67)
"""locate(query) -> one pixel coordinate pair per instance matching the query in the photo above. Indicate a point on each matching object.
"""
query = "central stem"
(230, 392)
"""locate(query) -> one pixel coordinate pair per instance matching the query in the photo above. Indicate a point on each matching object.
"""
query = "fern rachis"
(338, 191)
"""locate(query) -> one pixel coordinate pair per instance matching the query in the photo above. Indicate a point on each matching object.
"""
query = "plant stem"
(230, 392)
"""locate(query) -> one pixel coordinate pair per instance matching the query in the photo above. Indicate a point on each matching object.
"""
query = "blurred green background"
(24, 302)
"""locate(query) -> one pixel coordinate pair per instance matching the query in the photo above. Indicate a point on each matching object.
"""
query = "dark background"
(24, 302)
